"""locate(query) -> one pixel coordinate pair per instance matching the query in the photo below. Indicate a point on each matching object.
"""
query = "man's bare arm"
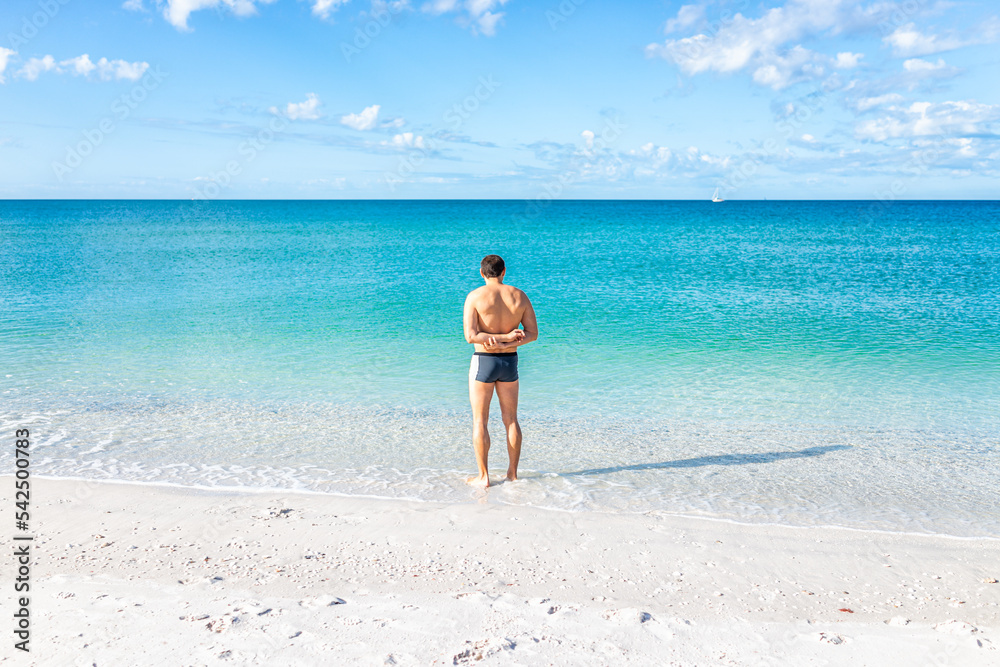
(528, 333)
(470, 320)
(529, 322)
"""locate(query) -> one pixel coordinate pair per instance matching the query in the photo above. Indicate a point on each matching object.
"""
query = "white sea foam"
(879, 479)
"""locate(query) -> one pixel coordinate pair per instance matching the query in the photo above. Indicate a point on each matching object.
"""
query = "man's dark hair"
(492, 266)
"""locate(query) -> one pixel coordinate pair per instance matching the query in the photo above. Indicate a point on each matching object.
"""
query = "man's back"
(499, 308)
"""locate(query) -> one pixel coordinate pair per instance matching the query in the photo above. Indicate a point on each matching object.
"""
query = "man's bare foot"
(479, 480)
(511, 476)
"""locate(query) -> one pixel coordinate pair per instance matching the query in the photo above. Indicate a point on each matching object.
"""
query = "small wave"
(914, 480)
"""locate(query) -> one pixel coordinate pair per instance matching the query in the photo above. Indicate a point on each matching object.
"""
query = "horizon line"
(469, 199)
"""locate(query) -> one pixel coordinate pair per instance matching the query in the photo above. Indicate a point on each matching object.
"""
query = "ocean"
(803, 363)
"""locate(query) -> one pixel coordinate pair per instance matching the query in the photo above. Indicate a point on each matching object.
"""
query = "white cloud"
(779, 72)
(480, 15)
(966, 148)
(488, 21)
(323, 8)
(848, 60)
(928, 119)
(84, 66)
(866, 103)
(441, 6)
(606, 163)
(307, 110)
(177, 11)
(808, 138)
(687, 16)
(134, 5)
(653, 160)
(362, 121)
(918, 65)
(5, 55)
(741, 41)
(121, 69)
(769, 44)
(907, 41)
(655, 156)
(406, 140)
(588, 138)
(35, 66)
(392, 6)
(879, 129)
(338, 183)
(81, 65)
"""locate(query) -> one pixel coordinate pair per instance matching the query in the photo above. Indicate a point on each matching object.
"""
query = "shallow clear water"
(758, 361)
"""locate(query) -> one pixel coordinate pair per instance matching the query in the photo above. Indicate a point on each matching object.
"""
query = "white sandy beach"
(129, 574)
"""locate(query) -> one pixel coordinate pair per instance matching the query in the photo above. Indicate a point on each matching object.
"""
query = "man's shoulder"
(516, 291)
(475, 293)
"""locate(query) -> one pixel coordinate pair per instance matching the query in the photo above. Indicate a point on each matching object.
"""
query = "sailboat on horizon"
(716, 198)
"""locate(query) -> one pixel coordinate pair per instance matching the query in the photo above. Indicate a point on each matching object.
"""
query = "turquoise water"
(798, 362)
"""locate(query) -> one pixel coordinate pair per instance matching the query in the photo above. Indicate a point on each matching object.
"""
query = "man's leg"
(507, 393)
(480, 394)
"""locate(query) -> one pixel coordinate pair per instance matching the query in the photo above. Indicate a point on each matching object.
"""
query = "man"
(491, 318)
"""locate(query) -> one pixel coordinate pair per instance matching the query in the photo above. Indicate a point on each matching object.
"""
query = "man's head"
(492, 266)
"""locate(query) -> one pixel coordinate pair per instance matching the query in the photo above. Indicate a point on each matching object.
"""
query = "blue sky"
(804, 99)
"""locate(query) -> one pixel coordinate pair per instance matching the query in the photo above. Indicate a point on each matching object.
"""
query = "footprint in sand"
(222, 623)
(476, 651)
(627, 616)
(321, 601)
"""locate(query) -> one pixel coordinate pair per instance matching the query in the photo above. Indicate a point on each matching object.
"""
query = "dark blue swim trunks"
(493, 367)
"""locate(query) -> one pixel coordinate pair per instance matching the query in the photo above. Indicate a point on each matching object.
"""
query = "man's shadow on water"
(717, 460)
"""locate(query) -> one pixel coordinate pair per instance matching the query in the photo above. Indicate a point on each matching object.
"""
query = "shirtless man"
(491, 318)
